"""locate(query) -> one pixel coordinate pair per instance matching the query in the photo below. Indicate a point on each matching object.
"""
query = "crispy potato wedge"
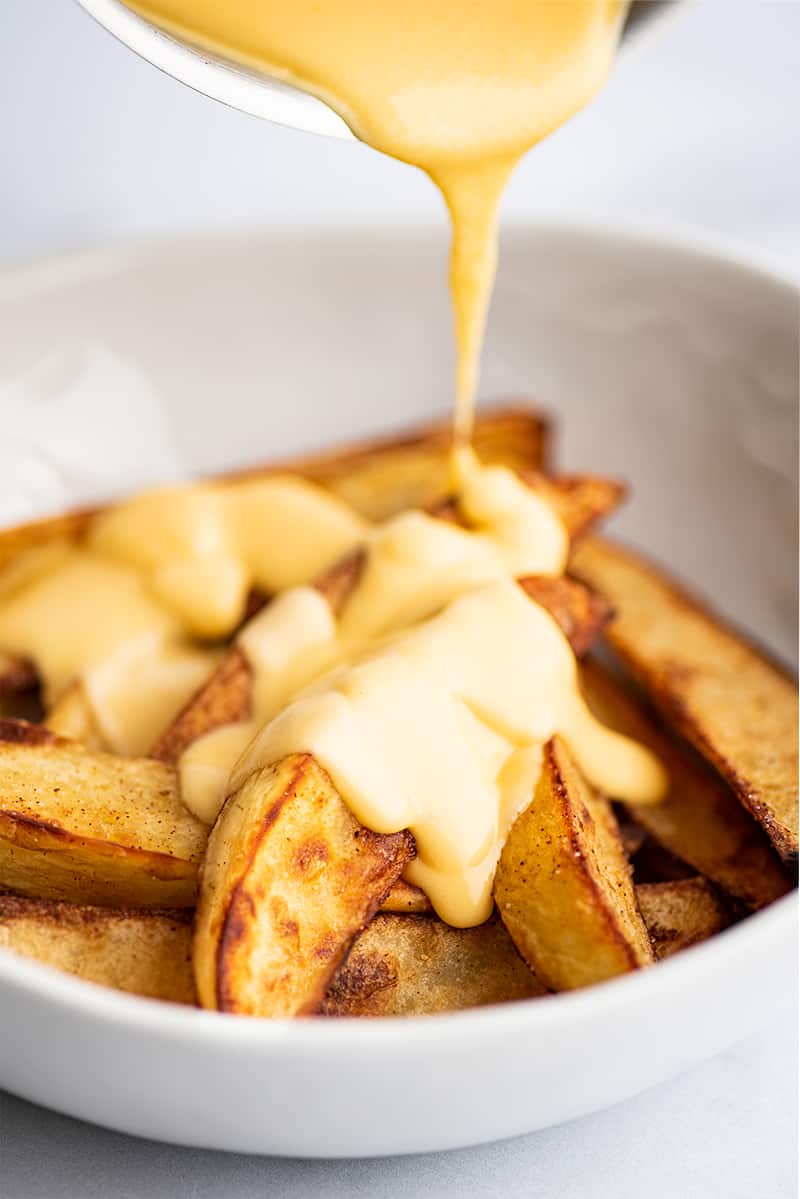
(682, 913)
(385, 475)
(581, 614)
(563, 885)
(141, 951)
(399, 965)
(224, 698)
(227, 695)
(418, 965)
(700, 821)
(580, 500)
(728, 700)
(407, 899)
(290, 877)
(90, 827)
(376, 477)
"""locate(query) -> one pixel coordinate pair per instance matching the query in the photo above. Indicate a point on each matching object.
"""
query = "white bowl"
(672, 367)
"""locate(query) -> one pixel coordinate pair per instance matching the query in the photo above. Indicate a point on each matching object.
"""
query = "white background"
(697, 131)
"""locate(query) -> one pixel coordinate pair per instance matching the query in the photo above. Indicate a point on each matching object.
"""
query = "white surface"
(698, 129)
(701, 132)
(720, 1132)
(595, 322)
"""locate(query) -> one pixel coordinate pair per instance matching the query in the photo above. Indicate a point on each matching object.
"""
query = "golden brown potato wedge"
(700, 821)
(418, 965)
(563, 885)
(290, 877)
(225, 698)
(581, 614)
(407, 899)
(90, 827)
(139, 950)
(227, 695)
(580, 500)
(728, 700)
(681, 913)
(376, 477)
(383, 476)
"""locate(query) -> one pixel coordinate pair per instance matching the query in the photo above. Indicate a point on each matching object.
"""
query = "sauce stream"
(458, 88)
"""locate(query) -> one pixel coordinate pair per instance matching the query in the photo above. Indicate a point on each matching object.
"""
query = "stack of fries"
(287, 906)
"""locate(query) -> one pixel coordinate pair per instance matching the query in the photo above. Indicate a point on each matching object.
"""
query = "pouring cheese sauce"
(459, 88)
(429, 698)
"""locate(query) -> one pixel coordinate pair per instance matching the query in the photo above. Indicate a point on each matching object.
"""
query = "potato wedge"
(382, 476)
(290, 877)
(227, 695)
(376, 477)
(728, 700)
(92, 828)
(141, 951)
(407, 899)
(700, 821)
(418, 965)
(580, 500)
(681, 913)
(563, 885)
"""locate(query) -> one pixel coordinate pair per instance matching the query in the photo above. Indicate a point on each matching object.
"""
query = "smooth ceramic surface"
(671, 367)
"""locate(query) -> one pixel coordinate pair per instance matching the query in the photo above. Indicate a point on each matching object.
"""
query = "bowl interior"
(675, 370)
(669, 367)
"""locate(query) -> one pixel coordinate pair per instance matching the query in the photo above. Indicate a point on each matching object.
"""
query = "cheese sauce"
(124, 612)
(429, 699)
(415, 565)
(441, 731)
(459, 88)
(430, 696)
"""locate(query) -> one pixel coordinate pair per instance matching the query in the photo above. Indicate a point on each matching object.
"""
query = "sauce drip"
(459, 88)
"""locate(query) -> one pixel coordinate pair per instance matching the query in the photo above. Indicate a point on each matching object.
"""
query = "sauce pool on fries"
(429, 698)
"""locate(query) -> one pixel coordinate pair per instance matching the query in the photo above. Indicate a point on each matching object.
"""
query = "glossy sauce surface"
(429, 698)
(130, 611)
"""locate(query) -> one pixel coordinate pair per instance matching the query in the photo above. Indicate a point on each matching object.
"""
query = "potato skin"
(563, 885)
(681, 913)
(290, 877)
(413, 965)
(735, 706)
(90, 827)
(141, 951)
(700, 822)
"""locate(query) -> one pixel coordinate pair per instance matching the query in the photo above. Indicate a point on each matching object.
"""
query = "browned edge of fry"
(768, 789)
